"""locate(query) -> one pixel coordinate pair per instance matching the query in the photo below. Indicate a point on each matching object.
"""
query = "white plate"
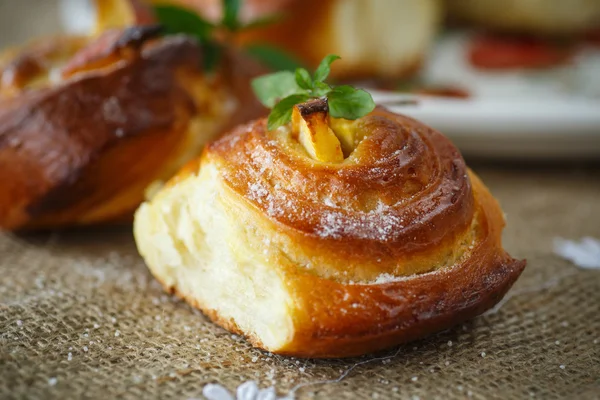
(549, 114)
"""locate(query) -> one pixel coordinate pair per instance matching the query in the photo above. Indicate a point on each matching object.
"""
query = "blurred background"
(515, 79)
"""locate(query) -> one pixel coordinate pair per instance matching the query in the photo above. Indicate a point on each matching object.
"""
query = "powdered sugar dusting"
(387, 278)
(377, 224)
(584, 253)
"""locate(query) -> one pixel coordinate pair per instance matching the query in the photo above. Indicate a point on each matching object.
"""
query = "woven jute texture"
(81, 317)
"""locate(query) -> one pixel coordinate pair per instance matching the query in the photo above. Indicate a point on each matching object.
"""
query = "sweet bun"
(383, 38)
(86, 124)
(545, 17)
(329, 246)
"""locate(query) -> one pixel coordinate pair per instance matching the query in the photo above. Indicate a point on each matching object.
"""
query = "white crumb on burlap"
(584, 253)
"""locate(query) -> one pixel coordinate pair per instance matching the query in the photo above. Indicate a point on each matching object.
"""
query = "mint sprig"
(181, 20)
(281, 91)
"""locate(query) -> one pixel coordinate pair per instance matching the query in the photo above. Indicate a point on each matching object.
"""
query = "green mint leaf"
(273, 87)
(349, 103)
(272, 57)
(303, 79)
(182, 20)
(211, 54)
(324, 68)
(231, 10)
(282, 112)
(320, 89)
(263, 21)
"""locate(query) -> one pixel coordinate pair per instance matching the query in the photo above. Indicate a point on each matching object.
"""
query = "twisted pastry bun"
(383, 38)
(86, 124)
(275, 237)
(543, 17)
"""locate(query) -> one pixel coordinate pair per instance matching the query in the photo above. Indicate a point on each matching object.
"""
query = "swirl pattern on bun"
(394, 240)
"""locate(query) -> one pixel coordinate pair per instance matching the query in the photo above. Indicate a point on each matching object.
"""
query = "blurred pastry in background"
(538, 17)
(525, 34)
(383, 38)
(87, 124)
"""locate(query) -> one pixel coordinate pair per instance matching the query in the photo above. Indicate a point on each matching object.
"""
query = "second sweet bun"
(329, 241)
(88, 123)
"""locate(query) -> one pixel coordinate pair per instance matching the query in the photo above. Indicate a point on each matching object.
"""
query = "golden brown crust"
(356, 319)
(435, 260)
(401, 192)
(87, 124)
(68, 147)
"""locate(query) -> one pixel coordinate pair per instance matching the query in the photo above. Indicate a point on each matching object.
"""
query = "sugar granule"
(19, 322)
(52, 381)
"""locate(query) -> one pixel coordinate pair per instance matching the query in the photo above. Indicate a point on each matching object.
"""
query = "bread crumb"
(483, 354)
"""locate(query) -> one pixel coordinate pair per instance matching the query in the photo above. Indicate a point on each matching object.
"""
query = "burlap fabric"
(81, 317)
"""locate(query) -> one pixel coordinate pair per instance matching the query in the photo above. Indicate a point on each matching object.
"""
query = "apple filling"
(325, 138)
